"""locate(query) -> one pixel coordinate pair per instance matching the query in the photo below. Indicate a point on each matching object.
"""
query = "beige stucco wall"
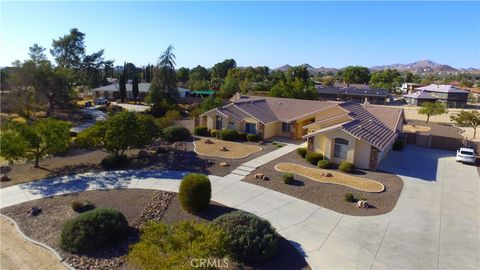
(362, 155)
(328, 113)
(329, 123)
(324, 144)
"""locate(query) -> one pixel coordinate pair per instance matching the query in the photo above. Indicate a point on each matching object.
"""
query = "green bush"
(195, 192)
(215, 133)
(348, 197)
(82, 205)
(94, 229)
(112, 162)
(228, 135)
(398, 145)
(302, 152)
(346, 167)
(176, 133)
(242, 136)
(201, 131)
(287, 178)
(324, 164)
(253, 137)
(174, 246)
(313, 157)
(249, 238)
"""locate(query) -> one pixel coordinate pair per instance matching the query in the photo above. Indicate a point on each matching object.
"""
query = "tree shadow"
(289, 255)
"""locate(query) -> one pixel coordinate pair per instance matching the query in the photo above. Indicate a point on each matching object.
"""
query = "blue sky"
(329, 34)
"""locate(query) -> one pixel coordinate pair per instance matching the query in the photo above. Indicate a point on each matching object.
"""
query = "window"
(218, 122)
(251, 128)
(285, 127)
(341, 148)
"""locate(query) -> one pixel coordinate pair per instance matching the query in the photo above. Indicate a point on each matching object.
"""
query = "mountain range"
(422, 66)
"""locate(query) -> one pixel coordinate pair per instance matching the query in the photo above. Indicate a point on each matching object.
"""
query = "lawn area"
(358, 183)
(233, 150)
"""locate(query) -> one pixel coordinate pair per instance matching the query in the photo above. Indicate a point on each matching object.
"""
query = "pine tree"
(135, 91)
(122, 88)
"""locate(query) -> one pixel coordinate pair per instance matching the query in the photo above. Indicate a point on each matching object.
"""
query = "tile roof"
(420, 95)
(233, 112)
(352, 91)
(388, 115)
(441, 88)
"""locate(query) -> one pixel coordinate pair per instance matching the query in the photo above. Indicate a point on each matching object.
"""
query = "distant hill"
(422, 66)
(310, 68)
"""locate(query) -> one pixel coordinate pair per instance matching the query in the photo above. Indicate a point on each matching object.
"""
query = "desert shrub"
(228, 135)
(242, 136)
(82, 205)
(176, 133)
(302, 152)
(195, 192)
(248, 238)
(398, 145)
(346, 167)
(94, 229)
(324, 164)
(164, 246)
(348, 197)
(313, 157)
(253, 137)
(201, 131)
(215, 133)
(112, 161)
(363, 197)
(287, 178)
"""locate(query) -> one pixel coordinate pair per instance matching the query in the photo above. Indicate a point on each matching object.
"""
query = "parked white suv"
(466, 155)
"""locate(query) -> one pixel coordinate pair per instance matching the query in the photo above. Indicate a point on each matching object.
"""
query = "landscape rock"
(208, 141)
(34, 211)
(4, 177)
(328, 175)
(362, 204)
(261, 143)
(224, 149)
(223, 164)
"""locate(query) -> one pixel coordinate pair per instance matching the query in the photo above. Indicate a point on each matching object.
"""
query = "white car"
(100, 101)
(466, 155)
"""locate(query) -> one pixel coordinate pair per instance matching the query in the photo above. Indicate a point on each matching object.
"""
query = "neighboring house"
(353, 94)
(361, 134)
(112, 91)
(450, 95)
(409, 87)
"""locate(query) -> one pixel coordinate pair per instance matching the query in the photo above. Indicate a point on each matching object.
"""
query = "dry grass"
(416, 128)
(337, 178)
(235, 150)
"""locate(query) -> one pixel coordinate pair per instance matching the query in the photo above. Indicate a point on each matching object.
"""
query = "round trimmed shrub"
(82, 205)
(195, 192)
(348, 197)
(242, 136)
(248, 238)
(215, 133)
(201, 131)
(253, 137)
(228, 135)
(176, 133)
(302, 152)
(346, 167)
(324, 164)
(94, 229)
(112, 162)
(313, 157)
(287, 178)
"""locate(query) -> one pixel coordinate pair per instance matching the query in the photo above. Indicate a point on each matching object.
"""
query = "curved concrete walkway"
(435, 224)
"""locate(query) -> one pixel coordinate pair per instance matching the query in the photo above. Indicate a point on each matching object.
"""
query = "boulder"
(261, 143)
(259, 175)
(362, 204)
(265, 178)
(328, 175)
(34, 211)
(224, 149)
(208, 141)
(223, 164)
(4, 177)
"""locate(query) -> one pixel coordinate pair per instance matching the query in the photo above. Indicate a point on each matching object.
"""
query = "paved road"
(435, 224)
(97, 116)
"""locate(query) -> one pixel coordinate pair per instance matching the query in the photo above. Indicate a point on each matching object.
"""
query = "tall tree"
(37, 53)
(183, 74)
(69, 50)
(122, 88)
(220, 70)
(135, 91)
(432, 109)
(199, 73)
(355, 74)
(387, 79)
(467, 118)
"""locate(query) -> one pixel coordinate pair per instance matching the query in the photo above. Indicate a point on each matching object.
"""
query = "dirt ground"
(330, 195)
(233, 150)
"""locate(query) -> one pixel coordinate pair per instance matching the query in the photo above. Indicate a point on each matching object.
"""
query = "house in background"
(450, 95)
(408, 88)
(361, 134)
(358, 93)
(112, 91)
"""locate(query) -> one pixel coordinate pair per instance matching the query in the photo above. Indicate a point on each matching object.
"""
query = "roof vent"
(359, 126)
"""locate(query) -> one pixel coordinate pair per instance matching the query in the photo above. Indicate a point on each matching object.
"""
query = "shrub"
(195, 192)
(94, 229)
(82, 205)
(242, 136)
(348, 197)
(287, 178)
(253, 137)
(164, 246)
(313, 157)
(215, 133)
(112, 162)
(346, 167)
(228, 135)
(363, 198)
(324, 164)
(302, 152)
(248, 237)
(176, 133)
(398, 145)
(201, 131)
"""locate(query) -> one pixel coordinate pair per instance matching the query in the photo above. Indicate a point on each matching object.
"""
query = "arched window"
(340, 149)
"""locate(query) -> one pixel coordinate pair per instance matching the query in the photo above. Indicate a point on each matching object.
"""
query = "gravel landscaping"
(331, 196)
(223, 149)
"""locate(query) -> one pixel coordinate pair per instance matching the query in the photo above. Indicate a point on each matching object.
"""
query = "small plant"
(112, 162)
(287, 178)
(176, 133)
(242, 136)
(348, 197)
(215, 133)
(253, 137)
(195, 192)
(324, 164)
(201, 131)
(228, 135)
(398, 145)
(302, 152)
(346, 167)
(82, 206)
(363, 197)
(313, 157)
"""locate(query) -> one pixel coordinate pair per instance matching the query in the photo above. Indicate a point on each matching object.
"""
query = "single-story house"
(354, 94)
(448, 94)
(112, 91)
(348, 131)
